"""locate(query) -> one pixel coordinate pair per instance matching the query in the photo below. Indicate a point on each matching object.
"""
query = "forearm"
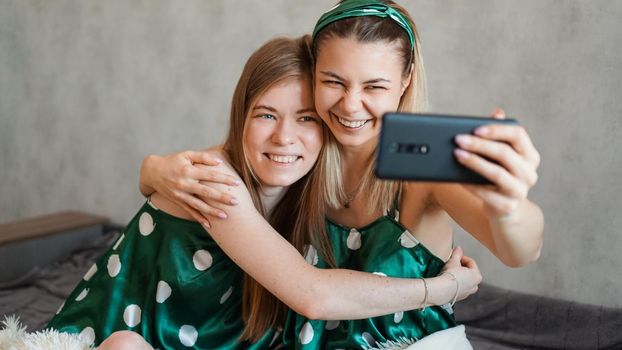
(346, 294)
(518, 237)
(329, 294)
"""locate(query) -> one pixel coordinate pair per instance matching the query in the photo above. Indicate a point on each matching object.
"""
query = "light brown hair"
(381, 194)
(300, 210)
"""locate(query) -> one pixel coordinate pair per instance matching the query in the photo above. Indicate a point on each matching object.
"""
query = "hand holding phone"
(421, 147)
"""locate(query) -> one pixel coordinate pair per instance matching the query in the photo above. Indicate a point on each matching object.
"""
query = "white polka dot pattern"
(163, 292)
(145, 224)
(188, 335)
(354, 239)
(82, 294)
(202, 260)
(330, 325)
(306, 334)
(311, 257)
(114, 265)
(407, 240)
(116, 245)
(131, 315)
(90, 273)
(87, 335)
(60, 308)
(369, 339)
(226, 296)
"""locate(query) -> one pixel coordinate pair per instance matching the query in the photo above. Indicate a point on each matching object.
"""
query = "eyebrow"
(306, 110)
(273, 110)
(266, 108)
(371, 81)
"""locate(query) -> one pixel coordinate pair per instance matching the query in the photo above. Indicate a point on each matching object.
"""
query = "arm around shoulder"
(328, 294)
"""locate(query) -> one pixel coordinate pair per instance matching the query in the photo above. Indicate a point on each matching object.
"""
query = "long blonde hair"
(380, 193)
(300, 210)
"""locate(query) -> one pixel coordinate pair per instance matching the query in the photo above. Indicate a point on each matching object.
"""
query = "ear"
(407, 79)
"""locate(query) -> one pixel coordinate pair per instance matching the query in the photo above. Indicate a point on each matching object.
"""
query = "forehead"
(292, 92)
(351, 57)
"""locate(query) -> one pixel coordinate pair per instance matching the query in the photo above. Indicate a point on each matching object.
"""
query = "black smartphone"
(420, 147)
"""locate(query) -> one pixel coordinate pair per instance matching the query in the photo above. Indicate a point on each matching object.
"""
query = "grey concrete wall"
(88, 88)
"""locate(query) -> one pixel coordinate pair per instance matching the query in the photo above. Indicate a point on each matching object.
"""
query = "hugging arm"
(180, 178)
(327, 294)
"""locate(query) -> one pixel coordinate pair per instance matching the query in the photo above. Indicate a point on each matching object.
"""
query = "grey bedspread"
(36, 297)
(495, 318)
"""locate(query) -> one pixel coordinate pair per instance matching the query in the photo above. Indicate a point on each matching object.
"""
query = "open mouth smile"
(350, 124)
(282, 159)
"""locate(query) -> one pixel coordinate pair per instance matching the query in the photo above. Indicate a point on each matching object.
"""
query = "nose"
(351, 102)
(284, 133)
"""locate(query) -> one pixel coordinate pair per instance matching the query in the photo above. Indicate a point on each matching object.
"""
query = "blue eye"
(266, 116)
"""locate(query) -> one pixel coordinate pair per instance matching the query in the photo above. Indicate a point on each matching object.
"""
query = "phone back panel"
(420, 147)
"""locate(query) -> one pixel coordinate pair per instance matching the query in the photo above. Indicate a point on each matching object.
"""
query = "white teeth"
(352, 124)
(282, 159)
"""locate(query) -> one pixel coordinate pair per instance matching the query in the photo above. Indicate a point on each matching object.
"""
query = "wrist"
(440, 289)
(146, 169)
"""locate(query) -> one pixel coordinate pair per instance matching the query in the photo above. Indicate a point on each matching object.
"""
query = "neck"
(355, 159)
(270, 196)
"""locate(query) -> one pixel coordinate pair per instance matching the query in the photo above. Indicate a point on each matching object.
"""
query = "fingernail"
(234, 201)
(206, 225)
(218, 160)
(237, 182)
(463, 140)
(482, 131)
(461, 154)
(222, 215)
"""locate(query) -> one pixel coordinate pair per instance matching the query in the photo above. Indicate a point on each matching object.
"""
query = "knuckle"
(497, 176)
(507, 152)
(207, 192)
(178, 183)
(185, 170)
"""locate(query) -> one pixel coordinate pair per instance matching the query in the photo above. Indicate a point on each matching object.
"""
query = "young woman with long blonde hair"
(173, 284)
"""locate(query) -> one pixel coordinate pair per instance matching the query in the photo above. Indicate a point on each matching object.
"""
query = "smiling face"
(283, 134)
(355, 84)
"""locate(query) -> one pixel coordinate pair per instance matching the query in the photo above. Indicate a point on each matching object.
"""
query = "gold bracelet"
(425, 295)
(457, 287)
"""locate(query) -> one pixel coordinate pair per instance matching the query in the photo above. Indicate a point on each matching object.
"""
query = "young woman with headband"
(368, 61)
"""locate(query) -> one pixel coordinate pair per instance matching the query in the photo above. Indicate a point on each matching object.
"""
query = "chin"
(281, 181)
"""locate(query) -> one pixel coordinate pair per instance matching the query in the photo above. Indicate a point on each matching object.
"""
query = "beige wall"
(88, 88)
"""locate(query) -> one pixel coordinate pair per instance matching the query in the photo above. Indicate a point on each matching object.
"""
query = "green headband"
(360, 8)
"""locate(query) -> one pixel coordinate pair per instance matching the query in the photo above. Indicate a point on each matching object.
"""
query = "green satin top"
(166, 279)
(383, 247)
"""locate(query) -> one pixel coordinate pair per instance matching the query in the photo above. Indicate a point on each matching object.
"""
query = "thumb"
(498, 113)
(456, 255)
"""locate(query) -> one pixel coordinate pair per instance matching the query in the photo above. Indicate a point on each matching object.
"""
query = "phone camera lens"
(393, 147)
